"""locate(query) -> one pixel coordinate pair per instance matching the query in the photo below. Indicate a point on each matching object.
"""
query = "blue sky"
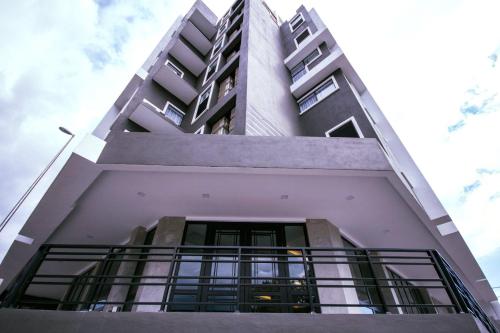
(432, 66)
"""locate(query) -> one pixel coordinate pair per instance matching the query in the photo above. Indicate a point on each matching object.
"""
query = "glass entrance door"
(270, 279)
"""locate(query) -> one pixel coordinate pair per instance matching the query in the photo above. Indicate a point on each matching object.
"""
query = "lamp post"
(18, 204)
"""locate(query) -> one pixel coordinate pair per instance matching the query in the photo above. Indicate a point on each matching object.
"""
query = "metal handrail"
(58, 268)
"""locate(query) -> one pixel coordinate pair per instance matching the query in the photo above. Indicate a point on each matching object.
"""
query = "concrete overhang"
(194, 36)
(308, 45)
(318, 73)
(187, 57)
(166, 78)
(152, 118)
(140, 177)
(202, 22)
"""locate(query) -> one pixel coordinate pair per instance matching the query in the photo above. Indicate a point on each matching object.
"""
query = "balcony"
(241, 279)
(308, 45)
(187, 57)
(203, 24)
(154, 119)
(308, 79)
(194, 36)
(171, 81)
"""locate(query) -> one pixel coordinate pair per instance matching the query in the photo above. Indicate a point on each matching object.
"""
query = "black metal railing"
(240, 279)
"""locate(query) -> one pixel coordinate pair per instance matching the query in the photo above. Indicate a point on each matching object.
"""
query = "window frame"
(295, 17)
(225, 25)
(295, 39)
(200, 130)
(222, 40)
(306, 66)
(164, 111)
(354, 123)
(210, 88)
(175, 66)
(217, 64)
(313, 90)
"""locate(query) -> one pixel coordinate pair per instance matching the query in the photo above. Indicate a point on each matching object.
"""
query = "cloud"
(456, 126)
(472, 187)
(486, 171)
(493, 57)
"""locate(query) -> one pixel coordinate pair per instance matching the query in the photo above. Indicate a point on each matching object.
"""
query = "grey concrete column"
(168, 233)
(118, 293)
(322, 233)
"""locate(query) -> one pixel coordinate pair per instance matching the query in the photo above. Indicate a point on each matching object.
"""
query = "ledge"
(244, 152)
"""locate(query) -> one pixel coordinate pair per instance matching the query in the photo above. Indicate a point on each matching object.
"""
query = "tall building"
(245, 179)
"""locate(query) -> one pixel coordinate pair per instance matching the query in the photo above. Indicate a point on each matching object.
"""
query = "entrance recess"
(247, 268)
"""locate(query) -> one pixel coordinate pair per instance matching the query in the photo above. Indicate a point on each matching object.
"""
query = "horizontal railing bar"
(236, 303)
(221, 285)
(69, 276)
(399, 250)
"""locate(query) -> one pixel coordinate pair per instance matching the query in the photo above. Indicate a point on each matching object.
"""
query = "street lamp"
(37, 180)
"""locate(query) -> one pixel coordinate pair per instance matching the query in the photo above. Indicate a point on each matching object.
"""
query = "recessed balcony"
(154, 119)
(308, 45)
(171, 81)
(194, 36)
(318, 73)
(187, 57)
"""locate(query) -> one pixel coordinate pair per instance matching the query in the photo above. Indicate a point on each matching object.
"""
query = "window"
(302, 36)
(319, 93)
(347, 129)
(212, 69)
(219, 43)
(228, 84)
(200, 130)
(409, 296)
(173, 113)
(224, 125)
(203, 102)
(302, 68)
(296, 21)
(174, 69)
(223, 27)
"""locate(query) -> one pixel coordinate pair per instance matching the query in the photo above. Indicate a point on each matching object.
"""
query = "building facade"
(244, 179)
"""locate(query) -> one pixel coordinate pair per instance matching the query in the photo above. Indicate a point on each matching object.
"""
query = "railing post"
(23, 280)
(238, 281)
(169, 279)
(97, 287)
(308, 280)
(376, 282)
(450, 287)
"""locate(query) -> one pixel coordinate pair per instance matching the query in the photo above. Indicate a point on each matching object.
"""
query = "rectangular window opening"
(203, 102)
(173, 113)
(319, 93)
(302, 36)
(296, 22)
(174, 69)
(346, 129)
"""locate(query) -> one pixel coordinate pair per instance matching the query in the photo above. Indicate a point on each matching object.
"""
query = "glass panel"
(264, 267)
(224, 290)
(302, 36)
(311, 56)
(295, 23)
(173, 114)
(195, 236)
(307, 102)
(174, 69)
(366, 295)
(325, 89)
(298, 72)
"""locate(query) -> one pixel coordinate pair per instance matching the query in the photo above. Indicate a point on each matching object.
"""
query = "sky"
(432, 66)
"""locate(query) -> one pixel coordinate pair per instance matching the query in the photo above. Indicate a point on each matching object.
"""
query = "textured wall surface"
(24, 321)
